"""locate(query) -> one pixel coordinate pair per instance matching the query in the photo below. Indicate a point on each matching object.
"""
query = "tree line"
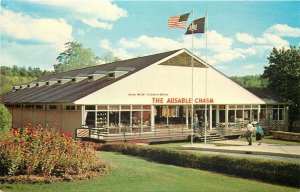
(10, 76)
(250, 81)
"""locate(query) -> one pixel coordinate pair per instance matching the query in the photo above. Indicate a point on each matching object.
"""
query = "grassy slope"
(134, 174)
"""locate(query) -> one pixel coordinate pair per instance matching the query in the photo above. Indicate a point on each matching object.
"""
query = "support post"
(152, 118)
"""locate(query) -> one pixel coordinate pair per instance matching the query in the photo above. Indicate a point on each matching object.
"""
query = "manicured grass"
(133, 174)
(270, 140)
(171, 144)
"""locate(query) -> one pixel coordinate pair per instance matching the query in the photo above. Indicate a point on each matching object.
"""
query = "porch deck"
(105, 134)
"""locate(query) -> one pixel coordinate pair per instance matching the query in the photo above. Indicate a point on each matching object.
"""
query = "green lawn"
(133, 174)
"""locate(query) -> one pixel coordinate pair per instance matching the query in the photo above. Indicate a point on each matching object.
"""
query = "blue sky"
(240, 34)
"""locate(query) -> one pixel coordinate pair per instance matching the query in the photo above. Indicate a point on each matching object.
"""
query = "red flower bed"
(34, 152)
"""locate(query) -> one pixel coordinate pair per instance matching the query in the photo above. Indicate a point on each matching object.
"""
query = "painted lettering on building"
(181, 100)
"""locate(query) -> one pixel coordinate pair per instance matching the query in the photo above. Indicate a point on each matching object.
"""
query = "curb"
(241, 152)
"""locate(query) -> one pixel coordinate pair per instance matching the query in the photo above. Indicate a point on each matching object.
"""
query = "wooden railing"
(132, 133)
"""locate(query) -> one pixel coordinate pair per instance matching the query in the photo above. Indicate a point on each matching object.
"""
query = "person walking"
(249, 133)
(196, 122)
(259, 133)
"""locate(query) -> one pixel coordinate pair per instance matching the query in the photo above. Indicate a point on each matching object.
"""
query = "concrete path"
(235, 146)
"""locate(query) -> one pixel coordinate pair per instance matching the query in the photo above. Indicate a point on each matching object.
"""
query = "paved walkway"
(235, 146)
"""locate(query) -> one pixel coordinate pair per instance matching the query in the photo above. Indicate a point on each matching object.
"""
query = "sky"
(240, 35)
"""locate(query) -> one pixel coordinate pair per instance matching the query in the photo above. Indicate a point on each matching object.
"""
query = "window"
(70, 107)
(90, 119)
(39, 106)
(17, 106)
(102, 107)
(111, 75)
(231, 116)
(90, 107)
(278, 112)
(52, 107)
(114, 118)
(8, 105)
(146, 107)
(114, 107)
(27, 106)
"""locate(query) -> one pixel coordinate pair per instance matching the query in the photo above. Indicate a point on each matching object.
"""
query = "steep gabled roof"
(70, 92)
(267, 95)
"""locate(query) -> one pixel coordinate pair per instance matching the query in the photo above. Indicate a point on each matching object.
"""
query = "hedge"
(5, 119)
(280, 172)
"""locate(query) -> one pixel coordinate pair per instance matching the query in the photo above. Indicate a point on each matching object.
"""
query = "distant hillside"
(250, 81)
(10, 76)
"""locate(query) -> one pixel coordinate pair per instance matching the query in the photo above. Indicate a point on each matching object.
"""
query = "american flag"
(178, 21)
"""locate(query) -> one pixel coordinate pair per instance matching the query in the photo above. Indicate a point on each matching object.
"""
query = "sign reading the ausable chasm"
(181, 100)
(164, 98)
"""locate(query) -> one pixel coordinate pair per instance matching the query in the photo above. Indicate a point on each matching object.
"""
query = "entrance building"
(144, 94)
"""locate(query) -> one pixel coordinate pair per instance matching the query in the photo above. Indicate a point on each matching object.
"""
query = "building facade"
(143, 94)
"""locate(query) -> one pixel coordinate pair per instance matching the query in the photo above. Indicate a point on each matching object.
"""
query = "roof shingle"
(70, 92)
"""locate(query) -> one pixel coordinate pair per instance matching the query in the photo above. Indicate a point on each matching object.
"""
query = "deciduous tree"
(283, 74)
(74, 57)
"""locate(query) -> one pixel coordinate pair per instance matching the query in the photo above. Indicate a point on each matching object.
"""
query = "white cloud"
(245, 38)
(97, 24)
(27, 28)
(272, 37)
(43, 55)
(217, 42)
(219, 47)
(105, 44)
(226, 56)
(127, 44)
(89, 12)
(157, 43)
(283, 30)
(273, 40)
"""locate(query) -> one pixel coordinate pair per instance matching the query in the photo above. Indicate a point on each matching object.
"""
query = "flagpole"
(192, 110)
(206, 18)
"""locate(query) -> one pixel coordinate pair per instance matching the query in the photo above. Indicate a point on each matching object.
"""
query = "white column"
(108, 124)
(152, 118)
(235, 108)
(119, 116)
(142, 114)
(96, 116)
(226, 116)
(217, 114)
(187, 116)
(167, 115)
(210, 117)
(243, 112)
(130, 118)
(82, 115)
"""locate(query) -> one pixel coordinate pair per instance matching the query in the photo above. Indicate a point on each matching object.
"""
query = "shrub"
(280, 172)
(47, 153)
(5, 119)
